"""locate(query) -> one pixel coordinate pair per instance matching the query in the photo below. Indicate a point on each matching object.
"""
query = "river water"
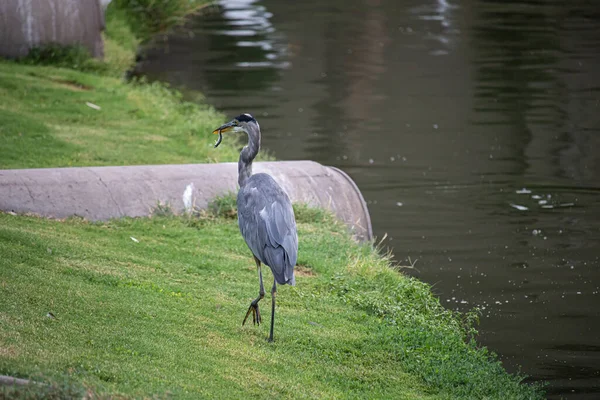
(472, 129)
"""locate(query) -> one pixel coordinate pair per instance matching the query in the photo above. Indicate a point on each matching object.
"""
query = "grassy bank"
(79, 112)
(163, 316)
(48, 118)
(131, 22)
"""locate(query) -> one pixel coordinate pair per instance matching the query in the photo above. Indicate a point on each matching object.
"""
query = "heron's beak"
(223, 128)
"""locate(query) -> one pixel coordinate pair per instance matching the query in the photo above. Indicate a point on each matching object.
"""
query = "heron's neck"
(247, 154)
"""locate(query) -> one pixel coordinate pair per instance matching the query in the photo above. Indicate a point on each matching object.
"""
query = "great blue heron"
(265, 217)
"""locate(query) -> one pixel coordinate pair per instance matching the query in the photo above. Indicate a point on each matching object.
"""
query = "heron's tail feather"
(276, 259)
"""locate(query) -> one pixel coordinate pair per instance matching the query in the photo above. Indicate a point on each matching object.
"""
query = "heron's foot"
(256, 320)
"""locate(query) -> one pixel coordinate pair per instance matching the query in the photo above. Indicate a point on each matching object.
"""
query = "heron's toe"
(256, 318)
(246, 317)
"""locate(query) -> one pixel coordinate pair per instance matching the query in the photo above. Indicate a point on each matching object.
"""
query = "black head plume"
(245, 118)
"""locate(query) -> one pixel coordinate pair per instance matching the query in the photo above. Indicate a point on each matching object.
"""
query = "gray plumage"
(265, 217)
(267, 223)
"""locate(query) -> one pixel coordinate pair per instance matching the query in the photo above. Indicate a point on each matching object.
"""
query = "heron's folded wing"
(281, 228)
(266, 220)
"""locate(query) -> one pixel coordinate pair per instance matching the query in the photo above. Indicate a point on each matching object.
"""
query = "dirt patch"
(8, 351)
(304, 271)
(155, 138)
(71, 85)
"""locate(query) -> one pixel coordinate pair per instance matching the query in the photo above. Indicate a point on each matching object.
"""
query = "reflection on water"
(440, 30)
(472, 128)
(249, 23)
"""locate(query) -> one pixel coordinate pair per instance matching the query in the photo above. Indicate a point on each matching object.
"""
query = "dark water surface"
(472, 129)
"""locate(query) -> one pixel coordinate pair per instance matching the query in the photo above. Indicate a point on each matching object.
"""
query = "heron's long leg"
(273, 293)
(254, 305)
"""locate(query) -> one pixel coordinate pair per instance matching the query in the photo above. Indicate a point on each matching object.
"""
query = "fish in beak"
(223, 128)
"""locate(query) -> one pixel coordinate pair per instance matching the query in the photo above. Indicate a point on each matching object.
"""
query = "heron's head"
(242, 123)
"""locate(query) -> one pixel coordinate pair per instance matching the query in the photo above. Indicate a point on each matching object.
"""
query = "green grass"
(163, 316)
(45, 121)
(149, 17)
(75, 57)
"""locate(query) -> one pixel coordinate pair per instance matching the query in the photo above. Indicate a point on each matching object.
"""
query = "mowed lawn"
(153, 306)
(57, 117)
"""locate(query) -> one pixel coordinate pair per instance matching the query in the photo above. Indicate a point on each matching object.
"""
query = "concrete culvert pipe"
(101, 193)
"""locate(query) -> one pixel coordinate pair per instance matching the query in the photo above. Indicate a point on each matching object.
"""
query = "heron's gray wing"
(281, 228)
(267, 223)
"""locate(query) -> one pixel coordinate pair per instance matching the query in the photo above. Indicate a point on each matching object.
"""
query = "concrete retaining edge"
(101, 193)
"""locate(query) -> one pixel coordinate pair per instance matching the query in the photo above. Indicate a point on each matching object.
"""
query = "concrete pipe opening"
(101, 193)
